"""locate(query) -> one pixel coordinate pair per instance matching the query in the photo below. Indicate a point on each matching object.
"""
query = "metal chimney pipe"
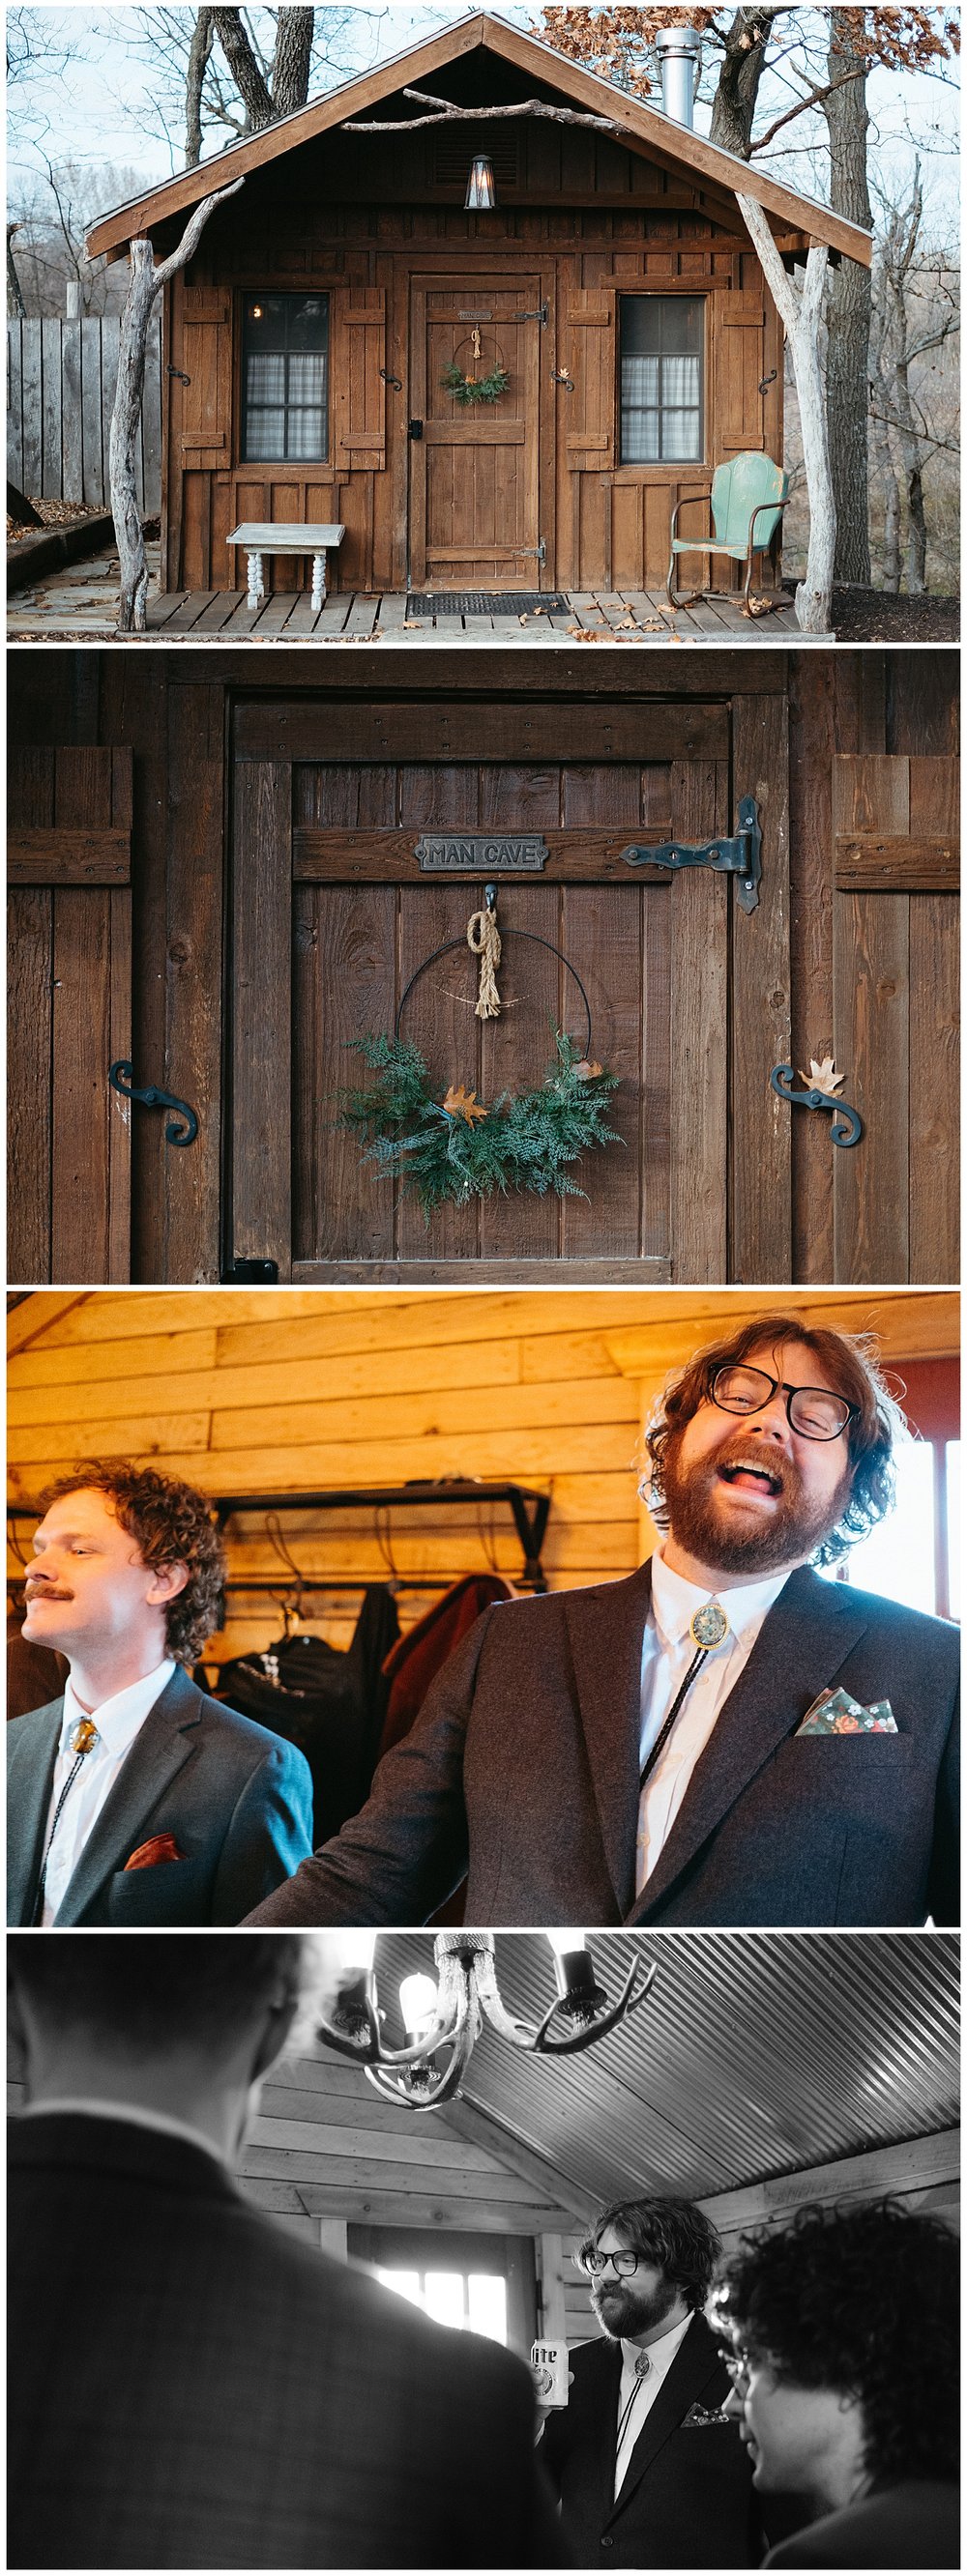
(678, 53)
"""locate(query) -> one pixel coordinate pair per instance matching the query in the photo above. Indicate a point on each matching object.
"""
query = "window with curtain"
(661, 348)
(914, 1555)
(285, 377)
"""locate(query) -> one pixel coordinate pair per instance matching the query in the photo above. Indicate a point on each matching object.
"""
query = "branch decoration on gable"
(473, 388)
(458, 1148)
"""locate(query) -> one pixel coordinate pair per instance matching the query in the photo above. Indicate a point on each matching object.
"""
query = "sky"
(102, 111)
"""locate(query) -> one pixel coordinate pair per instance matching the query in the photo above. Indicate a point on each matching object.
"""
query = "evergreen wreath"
(457, 1149)
(475, 389)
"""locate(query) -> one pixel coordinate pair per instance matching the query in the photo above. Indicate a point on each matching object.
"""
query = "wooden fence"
(61, 378)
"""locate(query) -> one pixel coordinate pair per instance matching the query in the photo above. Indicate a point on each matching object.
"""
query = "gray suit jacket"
(522, 1769)
(237, 1800)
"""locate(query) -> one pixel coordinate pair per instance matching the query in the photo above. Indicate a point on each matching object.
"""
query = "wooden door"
(896, 877)
(332, 915)
(69, 1001)
(474, 514)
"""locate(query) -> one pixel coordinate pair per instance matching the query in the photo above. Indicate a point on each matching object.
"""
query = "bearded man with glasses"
(721, 1739)
(644, 2457)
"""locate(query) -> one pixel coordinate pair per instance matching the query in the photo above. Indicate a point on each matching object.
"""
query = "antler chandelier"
(443, 2017)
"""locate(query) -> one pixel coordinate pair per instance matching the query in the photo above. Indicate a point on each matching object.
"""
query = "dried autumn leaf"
(463, 1104)
(823, 1077)
(588, 1072)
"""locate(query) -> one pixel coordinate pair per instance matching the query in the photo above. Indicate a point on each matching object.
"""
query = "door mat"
(484, 603)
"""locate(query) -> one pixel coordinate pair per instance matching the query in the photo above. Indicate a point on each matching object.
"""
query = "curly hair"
(674, 2234)
(863, 2301)
(172, 1524)
(849, 1361)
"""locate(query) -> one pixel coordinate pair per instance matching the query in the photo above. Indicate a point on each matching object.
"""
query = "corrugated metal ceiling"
(754, 2054)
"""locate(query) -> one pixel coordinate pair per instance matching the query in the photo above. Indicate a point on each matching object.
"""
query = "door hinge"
(540, 315)
(250, 1274)
(740, 857)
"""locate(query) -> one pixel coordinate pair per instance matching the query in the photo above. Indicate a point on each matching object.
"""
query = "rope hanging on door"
(483, 938)
(458, 1148)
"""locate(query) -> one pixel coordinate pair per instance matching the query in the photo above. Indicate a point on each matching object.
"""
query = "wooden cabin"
(758, 2075)
(215, 876)
(308, 346)
(286, 1395)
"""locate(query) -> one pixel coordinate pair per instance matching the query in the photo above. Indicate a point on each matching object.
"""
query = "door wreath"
(459, 1148)
(474, 388)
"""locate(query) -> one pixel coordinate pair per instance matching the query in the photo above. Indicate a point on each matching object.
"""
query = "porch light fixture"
(481, 196)
(443, 2017)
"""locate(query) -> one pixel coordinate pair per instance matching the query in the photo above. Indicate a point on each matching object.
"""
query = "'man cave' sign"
(472, 853)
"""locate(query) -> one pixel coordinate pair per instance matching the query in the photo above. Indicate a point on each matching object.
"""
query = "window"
(463, 2299)
(463, 2277)
(661, 379)
(914, 1555)
(285, 376)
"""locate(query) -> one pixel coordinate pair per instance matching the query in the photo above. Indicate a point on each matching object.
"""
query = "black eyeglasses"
(813, 1411)
(625, 2262)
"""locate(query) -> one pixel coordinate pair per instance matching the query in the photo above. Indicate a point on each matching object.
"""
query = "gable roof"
(644, 129)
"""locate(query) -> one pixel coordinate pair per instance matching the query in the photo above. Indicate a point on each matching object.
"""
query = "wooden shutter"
(895, 1001)
(740, 366)
(70, 1015)
(359, 392)
(206, 357)
(592, 363)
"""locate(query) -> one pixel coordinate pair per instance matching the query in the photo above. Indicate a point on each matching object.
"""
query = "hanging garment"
(35, 1674)
(413, 1662)
(329, 1700)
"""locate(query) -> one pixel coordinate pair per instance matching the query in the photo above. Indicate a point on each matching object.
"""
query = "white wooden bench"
(268, 537)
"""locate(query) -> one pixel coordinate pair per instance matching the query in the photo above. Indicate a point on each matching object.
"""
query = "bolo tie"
(642, 2368)
(706, 1630)
(81, 1741)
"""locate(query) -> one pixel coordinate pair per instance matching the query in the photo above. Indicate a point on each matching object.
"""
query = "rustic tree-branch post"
(801, 313)
(146, 283)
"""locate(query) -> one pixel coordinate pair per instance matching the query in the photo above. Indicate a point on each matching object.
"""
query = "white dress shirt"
(667, 1650)
(118, 1722)
(642, 2392)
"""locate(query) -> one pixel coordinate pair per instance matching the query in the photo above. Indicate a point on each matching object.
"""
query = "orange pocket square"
(160, 1847)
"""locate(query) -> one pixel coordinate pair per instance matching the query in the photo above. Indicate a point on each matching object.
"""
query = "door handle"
(120, 1074)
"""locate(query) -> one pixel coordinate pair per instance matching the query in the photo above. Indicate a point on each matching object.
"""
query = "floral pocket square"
(698, 2415)
(835, 1713)
(160, 1847)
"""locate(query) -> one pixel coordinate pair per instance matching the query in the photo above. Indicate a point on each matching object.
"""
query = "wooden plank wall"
(61, 380)
(275, 1392)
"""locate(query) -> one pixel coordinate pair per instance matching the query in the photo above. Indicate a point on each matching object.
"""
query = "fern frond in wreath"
(475, 389)
(456, 1150)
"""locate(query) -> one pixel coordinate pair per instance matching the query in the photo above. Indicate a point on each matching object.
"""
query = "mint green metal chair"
(747, 500)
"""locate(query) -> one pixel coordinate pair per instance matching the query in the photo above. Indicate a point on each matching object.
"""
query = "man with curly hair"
(135, 1799)
(846, 2344)
(723, 1738)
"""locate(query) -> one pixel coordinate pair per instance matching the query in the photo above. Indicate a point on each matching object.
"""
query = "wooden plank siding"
(273, 1391)
(583, 221)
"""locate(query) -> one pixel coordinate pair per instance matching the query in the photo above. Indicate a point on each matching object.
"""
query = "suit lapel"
(800, 1647)
(157, 1755)
(605, 1632)
(687, 2377)
(28, 1799)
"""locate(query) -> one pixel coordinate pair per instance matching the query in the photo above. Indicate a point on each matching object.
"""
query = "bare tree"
(218, 75)
(147, 281)
(848, 316)
(801, 313)
(917, 307)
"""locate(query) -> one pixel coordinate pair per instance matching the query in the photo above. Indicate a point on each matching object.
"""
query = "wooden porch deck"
(613, 617)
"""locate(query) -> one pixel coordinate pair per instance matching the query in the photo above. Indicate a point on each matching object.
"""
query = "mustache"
(46, 1592)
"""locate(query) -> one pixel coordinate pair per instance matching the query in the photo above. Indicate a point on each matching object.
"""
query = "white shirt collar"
(674, 1601)
(119, 1718)
(660, 2349)
(90, 2107)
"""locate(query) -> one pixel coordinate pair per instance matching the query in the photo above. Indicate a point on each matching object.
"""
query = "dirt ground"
(55, 514)
(872, 617)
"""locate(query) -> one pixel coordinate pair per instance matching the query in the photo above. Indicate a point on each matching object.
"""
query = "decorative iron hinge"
(539, 316)
(740, 857)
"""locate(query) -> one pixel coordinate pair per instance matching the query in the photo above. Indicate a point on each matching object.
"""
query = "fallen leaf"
(823, 1077)
(463, 1104)
(588, 1072)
